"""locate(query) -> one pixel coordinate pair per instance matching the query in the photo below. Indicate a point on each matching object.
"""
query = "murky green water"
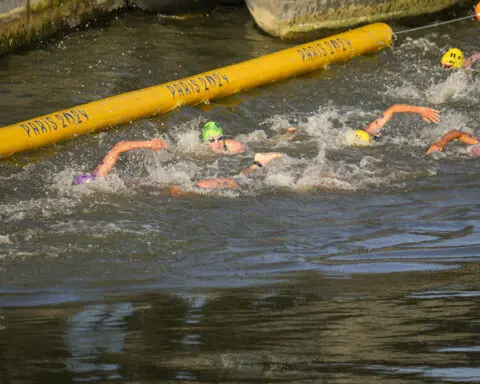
(334, 264)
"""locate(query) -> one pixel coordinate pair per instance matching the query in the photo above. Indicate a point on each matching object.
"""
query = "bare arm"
(427, 114)
(471, 60)
(260, 160)
(111, 158)
(218, 183)
(464, 137)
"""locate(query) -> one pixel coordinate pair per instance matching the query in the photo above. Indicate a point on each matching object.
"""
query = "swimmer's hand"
(260, 160)
(265, 158)
(429, 115)
(157, 144)
(435, 147)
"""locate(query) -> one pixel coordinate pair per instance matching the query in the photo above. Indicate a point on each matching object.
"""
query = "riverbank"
(26, 21)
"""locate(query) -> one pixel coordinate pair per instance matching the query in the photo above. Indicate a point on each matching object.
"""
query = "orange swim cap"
(477, 11)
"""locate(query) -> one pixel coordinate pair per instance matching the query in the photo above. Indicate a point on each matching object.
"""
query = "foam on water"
(459, 86)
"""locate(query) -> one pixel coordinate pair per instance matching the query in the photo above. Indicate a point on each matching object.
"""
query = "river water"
(333, 264)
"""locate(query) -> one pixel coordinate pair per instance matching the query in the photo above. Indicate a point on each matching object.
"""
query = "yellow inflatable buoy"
(196, 89)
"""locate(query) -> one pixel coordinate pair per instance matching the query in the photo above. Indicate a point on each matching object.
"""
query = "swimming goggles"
(213, 139)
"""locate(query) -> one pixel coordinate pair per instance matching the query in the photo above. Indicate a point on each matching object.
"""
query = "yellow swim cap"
(363, 135)
(452, 58)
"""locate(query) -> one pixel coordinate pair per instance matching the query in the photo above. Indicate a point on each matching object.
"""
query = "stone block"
(25, 21)
(291, 18)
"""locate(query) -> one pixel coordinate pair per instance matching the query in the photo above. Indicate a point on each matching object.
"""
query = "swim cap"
(477, 11)
(452, 58)
(363, 135)
(82, 179)
(211, 129)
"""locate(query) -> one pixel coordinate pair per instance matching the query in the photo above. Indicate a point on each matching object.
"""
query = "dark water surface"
(334, 264)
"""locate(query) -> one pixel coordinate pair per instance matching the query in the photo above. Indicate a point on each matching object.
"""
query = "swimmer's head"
(82, 179)
(453, 58)
(357, 138)
(364, 136)
(211, 129)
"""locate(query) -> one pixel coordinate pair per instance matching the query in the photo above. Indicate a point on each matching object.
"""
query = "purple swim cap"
(82, 179)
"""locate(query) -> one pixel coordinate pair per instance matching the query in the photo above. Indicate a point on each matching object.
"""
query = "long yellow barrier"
(160, 99)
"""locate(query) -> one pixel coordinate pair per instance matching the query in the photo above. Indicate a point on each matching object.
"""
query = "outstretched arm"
(260, 160)
(111, 158)
(427, 114)
(464, 137)
(471, 60)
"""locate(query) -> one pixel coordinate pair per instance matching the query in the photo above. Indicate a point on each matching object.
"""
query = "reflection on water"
(97, 330)
(357, 329)
(334, 264)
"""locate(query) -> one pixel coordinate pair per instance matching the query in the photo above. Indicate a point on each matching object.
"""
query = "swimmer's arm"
(218, 183)
(111, 158)
(464, 137)
(235, 146)
(471, 60)
(468, 138)
(427, 114)
(253, 167)
(261, 160)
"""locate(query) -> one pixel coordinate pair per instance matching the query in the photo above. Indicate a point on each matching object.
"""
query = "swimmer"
(111, 158)
(454, 58)
(213, 136)
(470, 60)
(455, 134)
(260, 160)
(372, 131)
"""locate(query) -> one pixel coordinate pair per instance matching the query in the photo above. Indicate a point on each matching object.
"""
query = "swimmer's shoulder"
(235, 146)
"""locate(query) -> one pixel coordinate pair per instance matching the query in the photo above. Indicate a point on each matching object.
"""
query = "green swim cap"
(211, 129)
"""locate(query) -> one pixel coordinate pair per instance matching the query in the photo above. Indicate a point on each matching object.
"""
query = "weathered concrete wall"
(290, 18)
(24, 21)
(176, 7)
